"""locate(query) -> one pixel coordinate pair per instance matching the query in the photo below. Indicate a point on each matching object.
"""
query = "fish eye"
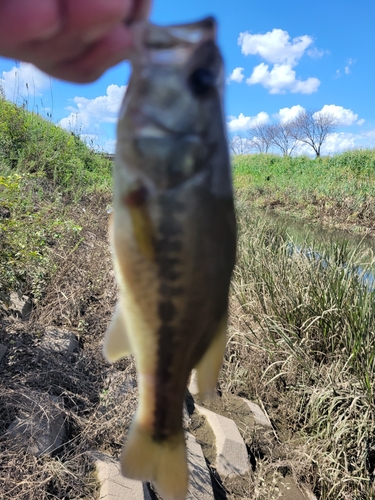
(201, 81)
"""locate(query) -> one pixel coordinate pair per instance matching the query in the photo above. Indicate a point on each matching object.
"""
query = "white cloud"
(236, 75)
(370, 135)
(344, 116)
(287, 114)
(361, 121)
(339, 141)
(347, 67)
(110, 146)
(275, 46)
(23, 81)
(281, 78)
(316, 53)
(243, 122)
(92, 112)
(98, 143)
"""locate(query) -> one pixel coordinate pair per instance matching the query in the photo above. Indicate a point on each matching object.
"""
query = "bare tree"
(238, 144)
(313, 128)
(260, 137)
(282, 137)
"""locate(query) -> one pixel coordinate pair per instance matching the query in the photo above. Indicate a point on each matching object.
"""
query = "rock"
(4, 213)
(199, 480)
(308, 494)
(41, 430)
(119, 384)
(3, 350)
(114, 486)
(58, 340)
(20, 306)
(231, 454)
(289, 490)
(259, 416)
(193, 385)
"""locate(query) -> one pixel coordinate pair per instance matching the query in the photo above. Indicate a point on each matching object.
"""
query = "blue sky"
(279, 56)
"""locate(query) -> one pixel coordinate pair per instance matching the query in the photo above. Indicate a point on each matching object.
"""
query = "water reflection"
(353, 252)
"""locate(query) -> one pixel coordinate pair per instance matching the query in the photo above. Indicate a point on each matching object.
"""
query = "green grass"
(342, 185)
(46, 173)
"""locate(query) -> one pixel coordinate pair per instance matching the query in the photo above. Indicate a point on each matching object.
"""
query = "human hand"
(75, 40)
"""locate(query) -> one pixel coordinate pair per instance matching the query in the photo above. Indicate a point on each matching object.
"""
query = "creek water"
(315, 240)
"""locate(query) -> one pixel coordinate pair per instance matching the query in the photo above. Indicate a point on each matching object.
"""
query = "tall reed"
(305, 345)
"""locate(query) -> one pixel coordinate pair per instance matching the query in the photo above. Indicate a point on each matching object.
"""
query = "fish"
(173, 239)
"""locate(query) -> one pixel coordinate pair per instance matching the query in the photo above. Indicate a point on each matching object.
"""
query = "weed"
(302, 345)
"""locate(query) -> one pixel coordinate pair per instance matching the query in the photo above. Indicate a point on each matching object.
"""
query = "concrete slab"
(200, 485)
(232, 457)
(193, 384)
(21, 306)
(58, 340)
(186, 420)
(259, 416)
(42, 430)
(114, 486)
(289, 490)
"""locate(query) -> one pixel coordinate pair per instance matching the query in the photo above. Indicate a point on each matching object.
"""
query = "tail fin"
(161, 462)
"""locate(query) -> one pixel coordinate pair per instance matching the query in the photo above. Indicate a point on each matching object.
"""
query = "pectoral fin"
(116, 342)
(209, 366)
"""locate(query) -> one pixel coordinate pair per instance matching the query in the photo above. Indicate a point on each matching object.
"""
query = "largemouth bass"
(173, 238)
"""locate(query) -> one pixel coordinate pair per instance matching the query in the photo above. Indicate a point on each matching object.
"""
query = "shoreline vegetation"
(301, 329)
(336, 191)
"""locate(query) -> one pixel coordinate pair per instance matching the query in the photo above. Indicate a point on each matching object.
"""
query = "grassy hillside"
(46, 176)
(339, 190)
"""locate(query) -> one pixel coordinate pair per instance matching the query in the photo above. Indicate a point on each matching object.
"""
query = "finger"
(85, 22)
(95, 16)
(107, 52)
(140, 10)
(23, 20)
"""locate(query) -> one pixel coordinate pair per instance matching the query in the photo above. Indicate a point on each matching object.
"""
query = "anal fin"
(209, 366)
(116, 342)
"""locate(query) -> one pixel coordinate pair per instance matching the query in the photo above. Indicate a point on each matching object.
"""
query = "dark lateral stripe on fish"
(167, 311)
(167, 290)
(167, 245)
(167, 249)
(170, 228)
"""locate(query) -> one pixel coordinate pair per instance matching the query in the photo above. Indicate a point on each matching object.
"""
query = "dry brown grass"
(80, 299)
